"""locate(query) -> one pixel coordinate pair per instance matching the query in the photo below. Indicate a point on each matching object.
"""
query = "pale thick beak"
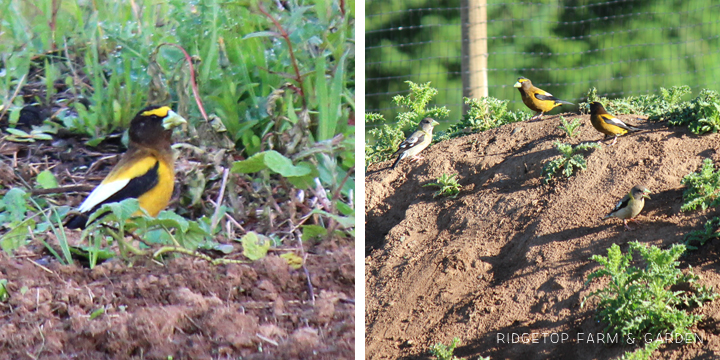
(435, 123)
(173, 120)
(517, 84)
(645, 194)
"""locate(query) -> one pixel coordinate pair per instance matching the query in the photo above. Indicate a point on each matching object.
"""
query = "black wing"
(134, 189)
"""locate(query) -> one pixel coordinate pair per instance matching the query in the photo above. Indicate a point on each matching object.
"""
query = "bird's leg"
(536, 116)
(633, 221)
(626, 225)
(416, 158)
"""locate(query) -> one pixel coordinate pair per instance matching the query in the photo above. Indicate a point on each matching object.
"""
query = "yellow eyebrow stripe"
(160, 112)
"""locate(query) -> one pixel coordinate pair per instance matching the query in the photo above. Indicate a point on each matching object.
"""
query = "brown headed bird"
(536, 99)
(606, 123)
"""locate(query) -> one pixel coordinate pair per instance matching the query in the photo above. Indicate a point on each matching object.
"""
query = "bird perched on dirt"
(606, 123)
(630, 206)
(537, 99)
(145, 172)
(416, 142)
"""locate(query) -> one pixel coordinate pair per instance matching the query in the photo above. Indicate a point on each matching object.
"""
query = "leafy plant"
(703, 188)
(483, 114)
(643, 353)
(444, 352)
(652, 105)
(570, 160)
(4, 295)
(638, 301)
(703, 107)
(709, 232)
(448, 186)
(387, 137)
(570, 128)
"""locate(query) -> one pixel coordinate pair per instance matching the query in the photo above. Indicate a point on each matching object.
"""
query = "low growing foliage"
(709, 232)
(570, 128)
(637, 301)
(484, 114)
(448, 186)
(702, 188)
(570, 160)
(445, 352)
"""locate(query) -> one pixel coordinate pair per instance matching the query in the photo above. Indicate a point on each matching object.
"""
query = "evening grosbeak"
(416, 142)
(536, 99)
(606, 123)
(145, 172)
(630, 206)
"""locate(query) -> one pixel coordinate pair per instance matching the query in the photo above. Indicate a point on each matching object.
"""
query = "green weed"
(387, 137)
(703, 188)
(638, 301)
(570, 128)
(643, 353)
(652, 105)
(448, 186)
(709, 232)
(483, 114)
(445, 352)
(570, 160)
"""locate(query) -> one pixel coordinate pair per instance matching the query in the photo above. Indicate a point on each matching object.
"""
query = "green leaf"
(255, 246)
(272, 160)
(4, 295)
(17, 236)
(310, 232)
(46, 180)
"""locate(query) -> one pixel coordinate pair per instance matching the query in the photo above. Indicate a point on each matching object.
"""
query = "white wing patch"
(615, 121)
(101, 193)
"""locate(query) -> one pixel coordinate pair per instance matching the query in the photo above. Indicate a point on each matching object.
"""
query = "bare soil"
(184, 309)
(510, 255)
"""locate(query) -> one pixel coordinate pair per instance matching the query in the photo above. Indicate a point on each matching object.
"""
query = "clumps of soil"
(184, 308)
(510, 255)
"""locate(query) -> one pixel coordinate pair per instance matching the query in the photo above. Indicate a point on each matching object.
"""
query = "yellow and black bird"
(416, 142)
(537, 99)
(630, 205)
(145, 172)
(608, 124)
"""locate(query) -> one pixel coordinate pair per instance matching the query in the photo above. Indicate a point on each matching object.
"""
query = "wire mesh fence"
(620, 47)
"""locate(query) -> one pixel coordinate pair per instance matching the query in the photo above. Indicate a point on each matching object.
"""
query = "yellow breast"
(158, 197)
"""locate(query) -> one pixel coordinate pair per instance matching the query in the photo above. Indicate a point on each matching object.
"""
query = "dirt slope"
(509, 254)
(183, 309)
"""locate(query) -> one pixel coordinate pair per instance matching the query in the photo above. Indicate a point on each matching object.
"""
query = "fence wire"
(621, 47)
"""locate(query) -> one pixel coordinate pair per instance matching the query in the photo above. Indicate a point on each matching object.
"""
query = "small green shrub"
(709, 232)
(569, 161)
(387, 137)
(636, 302)
(444, 352)
(643, 353)
(448, 186)
(570, 128)
(653, 106)
(483, 114)
(699, 114)
(702, 187)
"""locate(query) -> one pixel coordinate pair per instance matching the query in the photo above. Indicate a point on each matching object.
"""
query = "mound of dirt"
(509, 256)
(184, 309)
